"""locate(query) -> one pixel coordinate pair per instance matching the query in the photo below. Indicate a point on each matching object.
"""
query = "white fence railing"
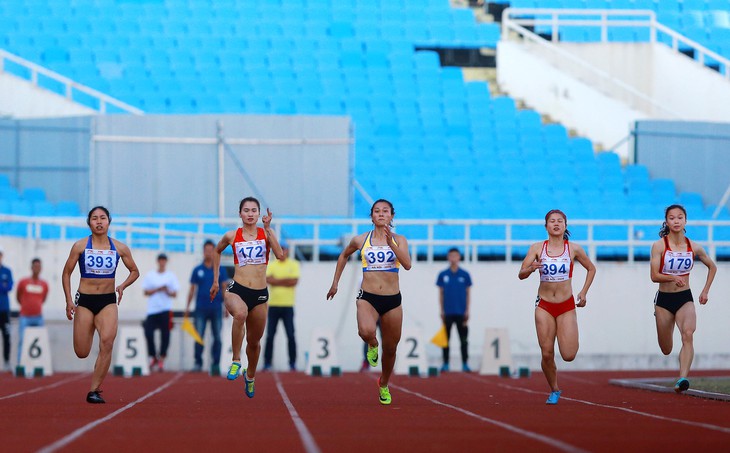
(27, 70)
(519, 21)
(322, 238)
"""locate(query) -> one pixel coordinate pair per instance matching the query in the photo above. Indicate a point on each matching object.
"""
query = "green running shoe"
(234, 371)
(384, 394)
(372, 355)
(249, 385)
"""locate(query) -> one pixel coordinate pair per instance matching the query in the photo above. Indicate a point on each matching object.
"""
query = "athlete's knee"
(366, 333)
(687, 334)
(548, 355)
(569, 356)
(389, 348)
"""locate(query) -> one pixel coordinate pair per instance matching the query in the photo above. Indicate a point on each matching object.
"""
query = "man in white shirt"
(161, 286)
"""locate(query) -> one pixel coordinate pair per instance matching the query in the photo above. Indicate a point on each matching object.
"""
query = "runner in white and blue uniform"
(94, 307)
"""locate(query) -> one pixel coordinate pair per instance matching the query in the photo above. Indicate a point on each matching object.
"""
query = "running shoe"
(372, 355)
(234, 371)
(249, 383)
(95, 397)
(384, 394)
(553, 398)
(681, 386)
(445, 368)
(465, 368)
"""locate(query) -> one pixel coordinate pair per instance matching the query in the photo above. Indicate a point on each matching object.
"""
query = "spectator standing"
(31, 294)
(6, 284)
(454, 296)
(282, 276)
(207, 310)
(161, 286)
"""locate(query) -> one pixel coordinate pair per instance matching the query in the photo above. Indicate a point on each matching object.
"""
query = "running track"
(293, 412)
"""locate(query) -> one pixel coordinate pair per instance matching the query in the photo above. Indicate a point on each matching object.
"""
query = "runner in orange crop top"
(247, 293)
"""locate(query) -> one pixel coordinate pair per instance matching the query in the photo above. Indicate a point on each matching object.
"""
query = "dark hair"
(208, 242)
(566, 234)
(35, 260)
(454, 249)
(240, 205)
(664, 230)
(383, 200)
(106, 211)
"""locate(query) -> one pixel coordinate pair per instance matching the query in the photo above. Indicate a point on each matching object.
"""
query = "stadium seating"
(482, 157)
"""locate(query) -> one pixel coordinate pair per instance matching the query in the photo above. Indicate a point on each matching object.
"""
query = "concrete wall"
(616, 328)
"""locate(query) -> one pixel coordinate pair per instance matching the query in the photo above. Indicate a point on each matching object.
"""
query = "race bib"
(251, 252)
(379, 257)
(100, 262)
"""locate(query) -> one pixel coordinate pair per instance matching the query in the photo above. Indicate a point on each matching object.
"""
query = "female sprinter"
(555, 315)
(672, 258)
(94, 308)
(247, 294)
(383, 253)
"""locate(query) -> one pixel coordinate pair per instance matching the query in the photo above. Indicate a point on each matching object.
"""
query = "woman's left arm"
(702, 256)
(582, 257)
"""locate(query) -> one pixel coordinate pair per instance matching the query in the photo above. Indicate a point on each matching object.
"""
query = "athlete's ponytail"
(664, 230)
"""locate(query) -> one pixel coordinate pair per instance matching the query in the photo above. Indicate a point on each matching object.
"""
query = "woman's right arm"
(531, 262)
(225, 241)
(68, 269)
(655, 263)
(351, 248)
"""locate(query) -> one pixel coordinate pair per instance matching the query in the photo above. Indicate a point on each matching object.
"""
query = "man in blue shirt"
(206, 310)
(6, 284)
(454, 284)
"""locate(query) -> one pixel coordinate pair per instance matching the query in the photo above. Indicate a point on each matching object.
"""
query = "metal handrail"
(165, 237)
(69, 85)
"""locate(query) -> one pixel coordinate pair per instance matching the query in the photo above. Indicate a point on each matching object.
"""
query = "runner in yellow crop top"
(383, 252)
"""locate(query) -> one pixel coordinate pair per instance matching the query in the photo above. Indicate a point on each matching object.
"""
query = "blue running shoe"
(465, 368)
(249, 383)
(234, 371)
(681, 386)
(553, 398)
(445, 368)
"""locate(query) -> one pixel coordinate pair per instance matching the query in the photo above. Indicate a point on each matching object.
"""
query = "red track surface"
(294, 412)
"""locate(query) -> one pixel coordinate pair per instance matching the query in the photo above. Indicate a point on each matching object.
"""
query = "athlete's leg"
(239, 311)
(83, 331)
(106, 324)
(686, 322)
(367, 320)
(448, 322)
(391, 324)
(567, 333)
(546, 331)
(255, 326)
(664, 329)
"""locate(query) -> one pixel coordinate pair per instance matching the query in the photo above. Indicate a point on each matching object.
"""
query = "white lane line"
(79, 432)
(310, 446)
(44, 387)
(709, 426)
(560, 445)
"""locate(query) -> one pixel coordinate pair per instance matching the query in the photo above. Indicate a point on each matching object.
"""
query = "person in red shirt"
(31, 293)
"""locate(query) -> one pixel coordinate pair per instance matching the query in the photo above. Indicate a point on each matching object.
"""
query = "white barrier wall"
(617, 326)
(21, 99)
(672, 80)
